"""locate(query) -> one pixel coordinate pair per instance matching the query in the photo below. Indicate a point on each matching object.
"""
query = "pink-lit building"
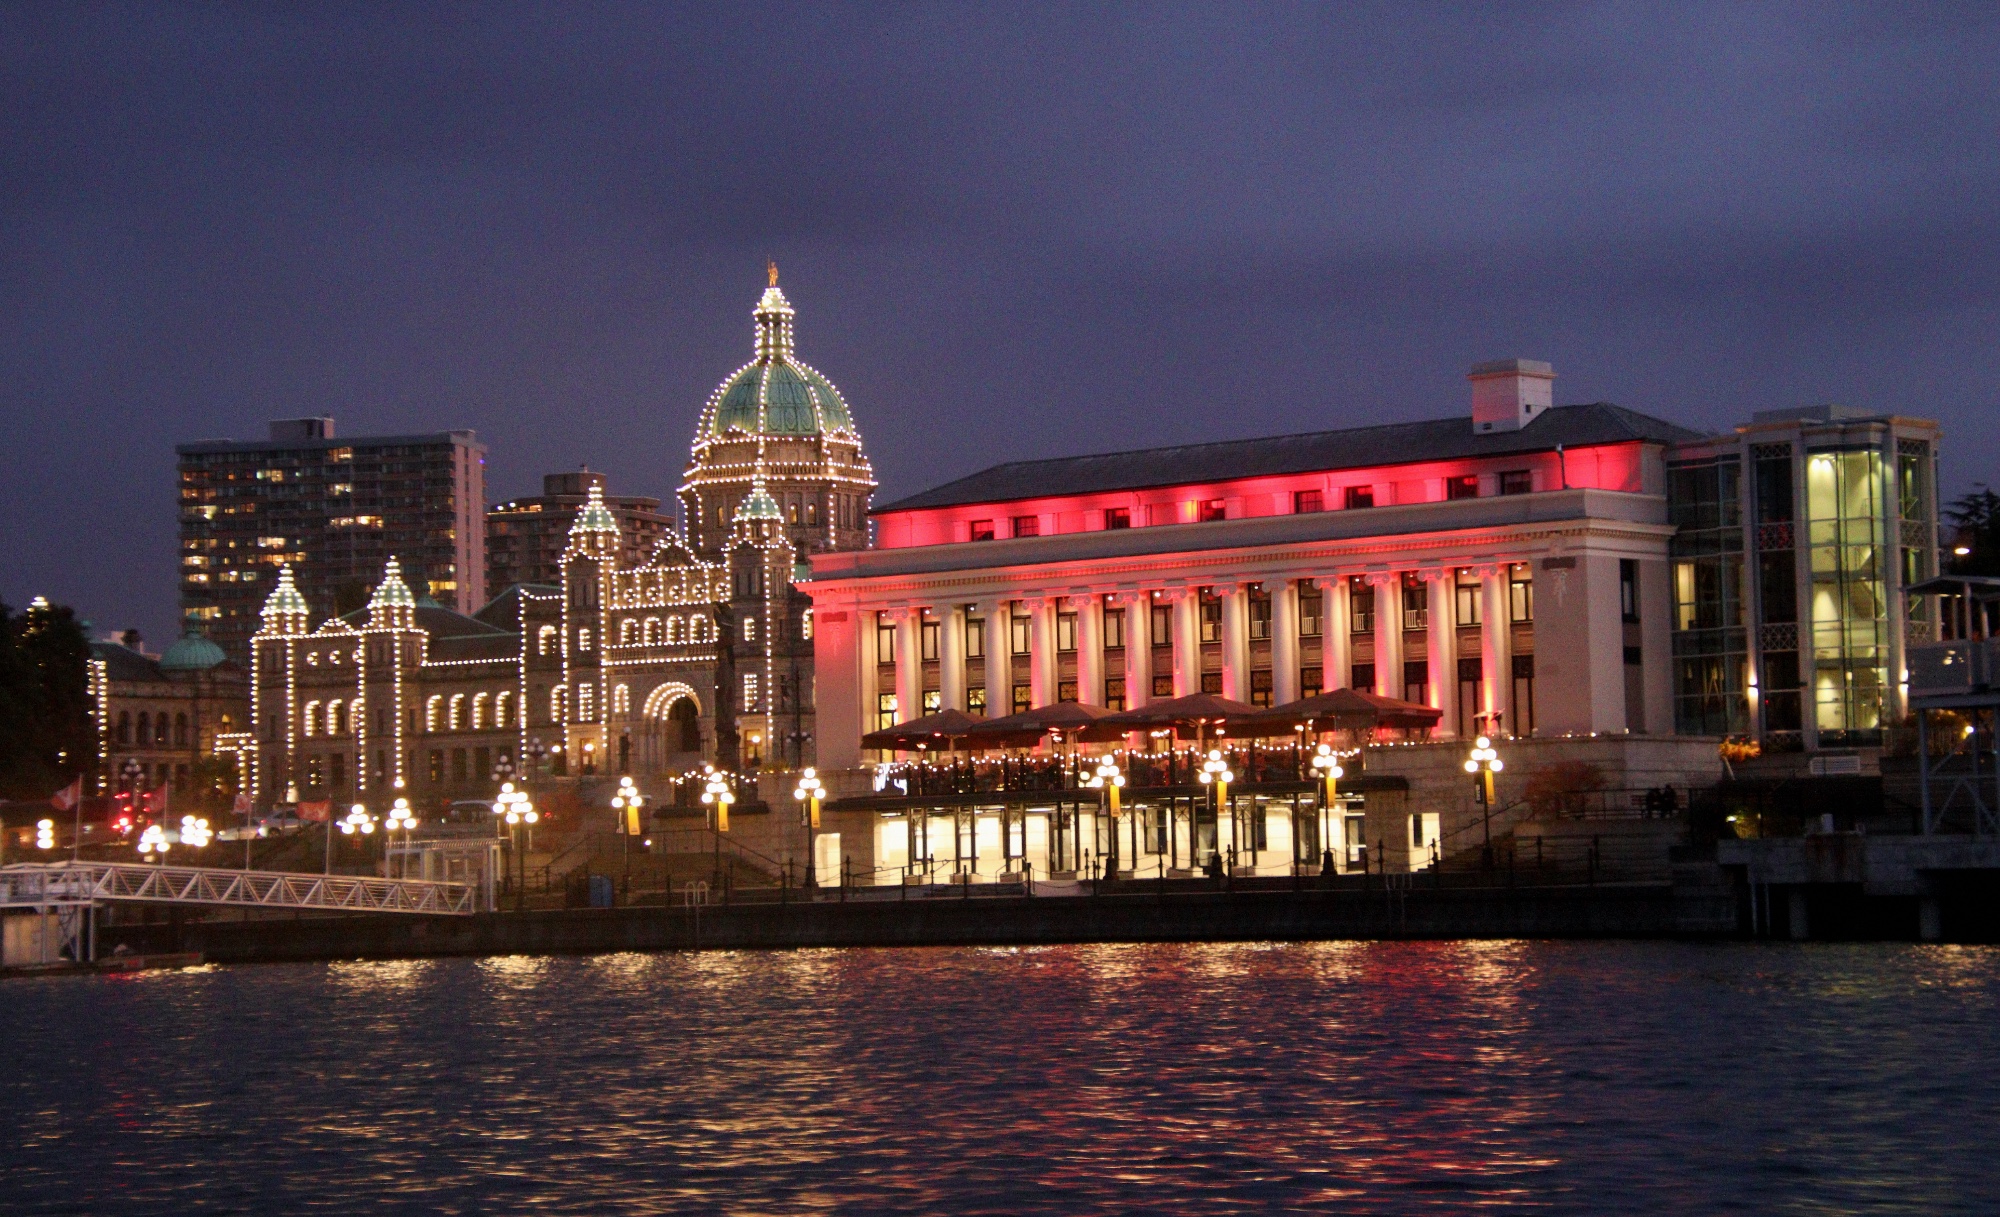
(1510, 567)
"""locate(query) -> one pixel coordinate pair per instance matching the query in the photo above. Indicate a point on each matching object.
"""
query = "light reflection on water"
(1368, 1077)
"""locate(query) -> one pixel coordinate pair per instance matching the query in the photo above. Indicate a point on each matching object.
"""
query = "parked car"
(280, 821)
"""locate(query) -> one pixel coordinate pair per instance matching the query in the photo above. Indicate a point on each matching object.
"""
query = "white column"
(1388, 633)
(1235, 641)
(951, 657)
(1138, 648)
(1284, 641)
(1089, 608)
(1187, 641)
(1041, 652)
(869, 679)
(1496, 650)
(909, 663)
(999, 644)
(1442, 601)
(1336, 634)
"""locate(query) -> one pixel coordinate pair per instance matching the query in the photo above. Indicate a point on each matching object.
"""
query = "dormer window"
(982, 530)
(1118, 517)
(1465, 486)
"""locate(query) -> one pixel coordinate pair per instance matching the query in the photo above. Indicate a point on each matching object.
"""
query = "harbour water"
(1589, 1077)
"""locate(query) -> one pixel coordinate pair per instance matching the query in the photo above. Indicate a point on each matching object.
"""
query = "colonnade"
(1337, 638)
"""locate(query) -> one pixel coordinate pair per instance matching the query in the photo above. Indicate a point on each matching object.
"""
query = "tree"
(48, 734)
(1975, 518)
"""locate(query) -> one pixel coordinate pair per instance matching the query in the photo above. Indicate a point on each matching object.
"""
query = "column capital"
(1490, 570)
(1383, 578)
(1436, 574)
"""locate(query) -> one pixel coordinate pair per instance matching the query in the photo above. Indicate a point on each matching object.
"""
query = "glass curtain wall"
(1913, 494)
(1711, 655)
(1777, 596)
(1849, 609)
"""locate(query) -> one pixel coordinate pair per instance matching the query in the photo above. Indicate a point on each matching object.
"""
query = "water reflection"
(1376, 1077)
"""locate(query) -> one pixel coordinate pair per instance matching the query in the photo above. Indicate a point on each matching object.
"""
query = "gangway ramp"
(48, 886)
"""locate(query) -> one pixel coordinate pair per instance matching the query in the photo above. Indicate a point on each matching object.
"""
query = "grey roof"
(122, 663)
(438, 621)
(503, 612)
(1313, 452)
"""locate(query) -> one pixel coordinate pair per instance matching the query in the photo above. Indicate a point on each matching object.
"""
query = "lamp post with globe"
(808, 792)
(1108, 779)
(514, 810)
(1215, 771)
(719, 796)
(1326, 767)
(1482, 763)
(627, 803)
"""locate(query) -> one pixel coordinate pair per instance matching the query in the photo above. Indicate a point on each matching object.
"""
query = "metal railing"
(50, 885)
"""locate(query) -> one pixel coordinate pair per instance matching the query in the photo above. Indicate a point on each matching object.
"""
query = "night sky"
(1009, 231)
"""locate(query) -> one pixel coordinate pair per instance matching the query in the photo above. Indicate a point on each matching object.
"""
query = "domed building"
(781, 420)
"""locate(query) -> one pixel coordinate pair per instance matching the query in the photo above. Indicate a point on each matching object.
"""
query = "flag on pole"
(69, 796)
(316, 811)
(242, 804)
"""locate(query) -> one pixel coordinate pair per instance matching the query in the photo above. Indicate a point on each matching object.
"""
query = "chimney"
(1507, 394)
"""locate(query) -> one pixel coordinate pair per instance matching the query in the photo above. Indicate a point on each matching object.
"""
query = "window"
(1211, 618)
(457, 713)
(1163, 685)
(929, 640)
(1416, 602)
(1524, 695)
(1260, 615)
(1628, 588)
(583, 639)
(500, 703)
(1311, 605)
(1114, 693)
(1023, 702)
(1066, 690)
(975, 700)
(1211, 682)
(1465, 486)
(1304, 501)
(1358, 496)
(750, 691)
(478, 711)
(458, 765)
(975, 638)
(933, 701)
(885, 711)
(1516, 481)
(1360, 608)
(982, 530)
(1211, 510)
(628, 632)
(1118, 517)
(556, 704)
(1417, 681)
(1311, 681)
(621, 700)
(586, 702)
(806, 626)
(1468, 600)
(310, 723)
(437, 764)
(749, 628)
(431, 708)
(1260, 687)
(1163, 625)
(1066, 634)
(1020, 634)
(1027, 526)
(885, 641)
(1362, 676)
(650, 634)
(1520, 595)
(1114, 629)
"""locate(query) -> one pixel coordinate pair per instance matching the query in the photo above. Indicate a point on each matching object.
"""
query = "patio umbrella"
(1029, 726)
(933, 732)
(1351, 710)
(1202, 711)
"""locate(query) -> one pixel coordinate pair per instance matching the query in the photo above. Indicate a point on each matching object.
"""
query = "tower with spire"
(778, 419)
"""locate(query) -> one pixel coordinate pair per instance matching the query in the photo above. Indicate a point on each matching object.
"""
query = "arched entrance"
(670, 734)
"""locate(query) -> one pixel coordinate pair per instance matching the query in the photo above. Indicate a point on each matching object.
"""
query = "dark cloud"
(1011, 231)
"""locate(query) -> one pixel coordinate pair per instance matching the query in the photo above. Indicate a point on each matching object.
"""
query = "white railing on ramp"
(49, 885)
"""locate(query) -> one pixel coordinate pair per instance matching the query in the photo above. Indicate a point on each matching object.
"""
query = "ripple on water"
(1368, 1077)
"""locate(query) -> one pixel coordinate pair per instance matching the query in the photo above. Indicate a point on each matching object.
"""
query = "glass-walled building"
(1794, 540)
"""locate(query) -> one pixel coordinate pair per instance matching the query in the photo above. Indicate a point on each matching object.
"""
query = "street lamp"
(808, 792)
(45, 834)
(514, 810)
(400, 816)
(627, 803)
(195, 832)
(719, 796)
(536, 751)
(1107, 778)
(1482, 763)
(1326, 767)
(1216, 770)
(153, 843)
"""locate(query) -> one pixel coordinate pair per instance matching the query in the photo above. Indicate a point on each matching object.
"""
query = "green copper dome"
(775, 394)
(759, 505)
(191, 652)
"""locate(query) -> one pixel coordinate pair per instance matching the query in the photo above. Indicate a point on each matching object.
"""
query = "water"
(1358, 1077)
